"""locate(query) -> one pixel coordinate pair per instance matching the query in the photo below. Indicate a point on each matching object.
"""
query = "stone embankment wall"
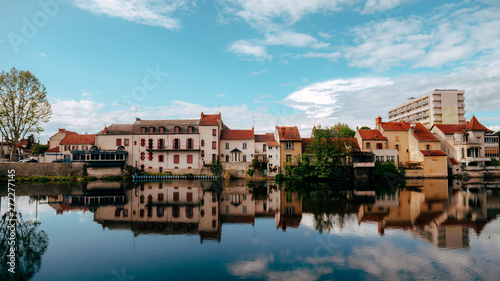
(42, 169)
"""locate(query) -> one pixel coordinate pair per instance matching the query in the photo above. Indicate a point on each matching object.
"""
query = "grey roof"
(118, 129)
(167, 124)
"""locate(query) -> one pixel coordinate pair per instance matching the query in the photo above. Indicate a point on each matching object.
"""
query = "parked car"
(58, 161)
(28, 160)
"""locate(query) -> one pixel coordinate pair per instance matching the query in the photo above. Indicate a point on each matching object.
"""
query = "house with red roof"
(290, 144)
(375, 142)
(237, 149)
(75, 142)
(418, 150)
(267, 148)
(469, 143)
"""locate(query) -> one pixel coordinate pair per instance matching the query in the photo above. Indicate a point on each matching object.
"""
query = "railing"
(467, 142)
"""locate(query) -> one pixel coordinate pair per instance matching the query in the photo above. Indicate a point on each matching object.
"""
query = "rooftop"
(433, 152)
(421, 133)
(210, 119)
(371, 135)
(236, 135)
(288, 133)
(78, 139)
(264, 138)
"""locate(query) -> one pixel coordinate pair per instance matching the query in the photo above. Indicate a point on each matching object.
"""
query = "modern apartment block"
(435, 107)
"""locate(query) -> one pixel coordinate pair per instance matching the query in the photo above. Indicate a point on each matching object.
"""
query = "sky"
(259, 62)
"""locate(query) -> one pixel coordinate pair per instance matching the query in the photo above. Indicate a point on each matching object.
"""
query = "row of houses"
(191, 146)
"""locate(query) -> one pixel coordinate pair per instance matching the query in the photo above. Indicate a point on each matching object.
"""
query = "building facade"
(290, 144)
(469, 143)
(435, 107)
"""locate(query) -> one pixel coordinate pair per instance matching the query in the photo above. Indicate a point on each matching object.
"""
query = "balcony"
(467, 142)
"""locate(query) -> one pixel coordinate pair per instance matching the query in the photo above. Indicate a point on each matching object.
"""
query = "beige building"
(435, 107)
(114, 137)
(290, 144)
(469, 143)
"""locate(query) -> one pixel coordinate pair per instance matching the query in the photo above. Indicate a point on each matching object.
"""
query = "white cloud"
(494, 128)
(221, 96)
(333, 56)
(245, 48)
(431, 40)
(148, 12)
(255, 73)
(43, 55)
(372, 6)
(325, 35)
(291, 38)
(86, 94)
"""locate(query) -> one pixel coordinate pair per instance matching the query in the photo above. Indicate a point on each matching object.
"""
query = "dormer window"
(143, 130)
(190, 129)
(177, 129)
(162, 130)
(151, 130)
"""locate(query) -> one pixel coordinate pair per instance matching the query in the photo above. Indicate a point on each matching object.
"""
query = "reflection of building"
(290, 211)
(165, 208)
(426, 208)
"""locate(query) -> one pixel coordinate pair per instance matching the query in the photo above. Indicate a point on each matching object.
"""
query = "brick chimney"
(105, 130)
(137, 119)
(378, 121)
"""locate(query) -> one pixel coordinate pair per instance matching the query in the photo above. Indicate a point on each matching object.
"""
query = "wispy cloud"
(245, 48)
(333, 56)
(43, 55)
(372, 6)
(221, 96)
(148, 12)
(255, 73)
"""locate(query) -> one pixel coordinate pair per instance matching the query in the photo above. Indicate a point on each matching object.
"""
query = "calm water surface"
(193, 230)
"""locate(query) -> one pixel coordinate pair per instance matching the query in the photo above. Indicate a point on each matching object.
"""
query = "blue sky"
(272, 62)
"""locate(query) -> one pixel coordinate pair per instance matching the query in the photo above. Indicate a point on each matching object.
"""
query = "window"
(189, 197)
(177, 129)
(397, 147)
(150, 156)
(244, 145)
(175, 210)
(125, 142)
(214, 145)
(245, 209)
(160, 196)
(203, 153)
(143, 155)
(189, 212)
(397, 138)
(392, 159)
(190, 129)
(189, 144)
(379, 146)
(202, 142)
(214, 157)
(143, 142)
(141, 199)
(270, 165)
(288, 158)
(382, 158)
(176, 159)
(288, 145)
(270, 156)
(190, 159)
(118, 142)
(227, 145)
(151, 130)
(177, 144)
(159, 212)
(270, 147)
(227, 158)
(125, 213)
(463, 152)
(428, 147)
(162, 130)
(150, 144)
(264, 148)
(160, 158)
(214, 132)
(214, 211)
(161, 143)
(368, 145)
(244, 158)
(143, 130)
(491, 152)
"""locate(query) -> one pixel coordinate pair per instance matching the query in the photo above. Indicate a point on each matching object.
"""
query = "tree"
(365, 128)
(23, 106)
(216, 168)
(344, 130)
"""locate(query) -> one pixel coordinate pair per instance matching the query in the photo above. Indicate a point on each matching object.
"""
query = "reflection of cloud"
(253, 268)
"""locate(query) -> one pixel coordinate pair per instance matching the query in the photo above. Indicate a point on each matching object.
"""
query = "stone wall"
(42, 169)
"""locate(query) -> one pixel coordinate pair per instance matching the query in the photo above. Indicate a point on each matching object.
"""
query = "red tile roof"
(210, 119)
(264, 138)
(272, 143)
(450, 129)
(474, 125)
(371, 135)
(395, 126)
(288, 133)
(433, 152)
(236, 135)
(78, 139)
(54, 149)
(453, 161)
(353, 142)
(422, 134)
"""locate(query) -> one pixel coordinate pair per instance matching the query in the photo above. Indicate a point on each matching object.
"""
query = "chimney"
(137, 119)
(61, 130)
(378, 121)
(202, 114)
(105, 130)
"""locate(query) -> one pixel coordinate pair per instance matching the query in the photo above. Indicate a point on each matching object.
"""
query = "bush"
(250, 172)
(279, 177)
(494, 162)
(383, 169)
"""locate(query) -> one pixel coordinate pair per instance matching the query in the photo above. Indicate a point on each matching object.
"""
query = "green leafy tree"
(39, 148)
(216, 167)
(344, 130)
(23, 106)
(365, 128)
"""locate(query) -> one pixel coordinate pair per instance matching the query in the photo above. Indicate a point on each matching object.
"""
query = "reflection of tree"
(31, 244)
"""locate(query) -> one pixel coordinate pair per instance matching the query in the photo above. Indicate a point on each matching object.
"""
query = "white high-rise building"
(435, 107)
